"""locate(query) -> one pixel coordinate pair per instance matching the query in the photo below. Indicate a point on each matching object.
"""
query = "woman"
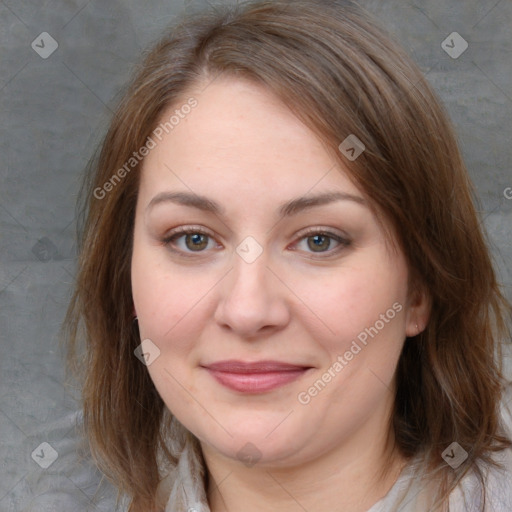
(287, 298)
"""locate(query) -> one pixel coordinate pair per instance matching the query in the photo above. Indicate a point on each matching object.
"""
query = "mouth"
(255, 377)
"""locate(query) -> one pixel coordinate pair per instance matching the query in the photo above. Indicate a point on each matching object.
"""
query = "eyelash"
(183, 230)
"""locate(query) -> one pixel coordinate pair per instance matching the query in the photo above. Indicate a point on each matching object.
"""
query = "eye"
(189, 240)
(320, 241)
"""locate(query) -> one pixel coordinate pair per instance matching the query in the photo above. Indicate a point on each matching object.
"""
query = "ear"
(418, 311)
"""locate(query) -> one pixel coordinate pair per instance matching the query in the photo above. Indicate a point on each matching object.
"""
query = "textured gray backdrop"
(54, 110)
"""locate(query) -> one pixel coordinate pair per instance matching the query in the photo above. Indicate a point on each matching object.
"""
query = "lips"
(255, 377)
(233, 366)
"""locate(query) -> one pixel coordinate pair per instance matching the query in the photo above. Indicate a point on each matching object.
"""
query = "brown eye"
(319, 243)
(196, 241)
(187, 241)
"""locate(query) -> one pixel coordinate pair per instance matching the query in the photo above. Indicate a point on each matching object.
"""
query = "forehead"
(240, 133)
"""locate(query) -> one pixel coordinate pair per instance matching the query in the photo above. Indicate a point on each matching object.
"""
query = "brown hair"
(340, 74)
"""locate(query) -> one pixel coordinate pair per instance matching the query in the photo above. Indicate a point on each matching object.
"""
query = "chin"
(252, 445)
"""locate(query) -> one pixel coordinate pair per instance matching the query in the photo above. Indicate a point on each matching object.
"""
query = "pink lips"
(255, 377)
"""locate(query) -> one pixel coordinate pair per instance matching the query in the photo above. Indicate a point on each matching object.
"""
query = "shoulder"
(498, 481)
(164, 489)
(183, 486)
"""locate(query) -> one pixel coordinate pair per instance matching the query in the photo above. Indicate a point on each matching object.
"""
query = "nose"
(253, 300)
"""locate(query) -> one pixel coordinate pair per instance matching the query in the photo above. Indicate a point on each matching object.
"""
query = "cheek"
(171, 309)
(169, 303)
(352, 299)
(364, 306)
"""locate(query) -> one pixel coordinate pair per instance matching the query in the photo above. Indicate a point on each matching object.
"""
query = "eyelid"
(323, 230)
(188, 229)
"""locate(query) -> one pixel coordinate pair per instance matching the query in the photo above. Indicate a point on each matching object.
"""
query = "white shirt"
(185, 488)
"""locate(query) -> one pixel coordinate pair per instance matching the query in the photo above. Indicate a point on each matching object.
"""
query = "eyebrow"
(285, 210)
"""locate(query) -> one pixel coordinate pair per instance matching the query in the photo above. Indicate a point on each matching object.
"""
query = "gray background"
(54, 112)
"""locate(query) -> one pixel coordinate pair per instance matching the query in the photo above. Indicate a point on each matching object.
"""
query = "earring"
(135, 319)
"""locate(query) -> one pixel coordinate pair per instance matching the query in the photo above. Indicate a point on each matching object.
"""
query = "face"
(274, 307)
